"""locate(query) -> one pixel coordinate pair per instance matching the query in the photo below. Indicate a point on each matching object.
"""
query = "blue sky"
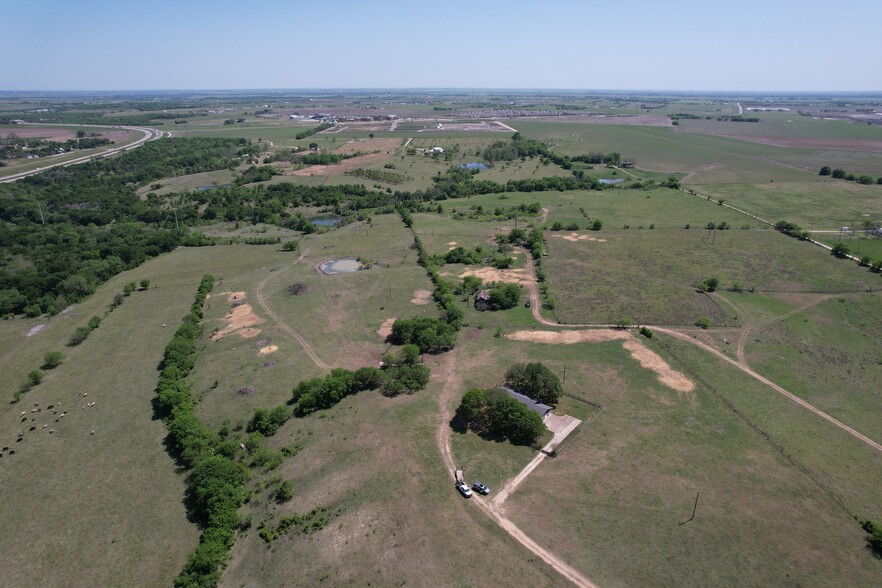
(775, 45)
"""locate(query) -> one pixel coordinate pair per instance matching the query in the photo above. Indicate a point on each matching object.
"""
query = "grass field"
(625, 483)
(826, 204)
(650, 276)
(72, 499)
(829, 355)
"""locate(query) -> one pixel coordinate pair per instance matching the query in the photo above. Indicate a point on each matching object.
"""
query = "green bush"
(52, 359)
(536, 381)
(703, 322)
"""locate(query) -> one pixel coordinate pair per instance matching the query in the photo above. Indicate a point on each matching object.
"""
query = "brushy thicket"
(216, 484)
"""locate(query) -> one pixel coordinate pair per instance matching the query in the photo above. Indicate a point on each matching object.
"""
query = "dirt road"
(771, 384)
(303, 342)
(447, 371)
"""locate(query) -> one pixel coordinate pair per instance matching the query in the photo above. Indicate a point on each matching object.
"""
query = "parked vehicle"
(464, 490)
(481, 488)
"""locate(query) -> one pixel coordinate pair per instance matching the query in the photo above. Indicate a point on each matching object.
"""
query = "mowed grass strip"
(613, 501)
(650, 275)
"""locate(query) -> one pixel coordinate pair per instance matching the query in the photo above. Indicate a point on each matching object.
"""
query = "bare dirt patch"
(652, 361)
(385, 330)
(34, 330)
(421, 297)
(268, 349)
(569, 337)
(489, 274)
(577, 237)
(240, 318)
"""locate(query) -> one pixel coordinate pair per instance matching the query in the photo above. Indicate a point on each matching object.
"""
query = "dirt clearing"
(489, 274)
(239, 319)
(569, 337)
(421, 297)
(652, 361)
(268, 349)
(577, 237)
(385, 330)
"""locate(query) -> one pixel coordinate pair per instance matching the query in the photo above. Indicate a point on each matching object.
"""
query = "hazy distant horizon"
(687, 46)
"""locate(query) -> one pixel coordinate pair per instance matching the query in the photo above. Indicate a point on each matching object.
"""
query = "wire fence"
(832, 493)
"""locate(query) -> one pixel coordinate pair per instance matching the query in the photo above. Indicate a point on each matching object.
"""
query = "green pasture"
(650, 275)
(626, 483)
(829, 355)
(72, 498)
(819, 204)
(396, 518)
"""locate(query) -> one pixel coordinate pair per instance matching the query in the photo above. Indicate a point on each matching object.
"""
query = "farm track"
(741, 364)
(453, 381)
(285, 327)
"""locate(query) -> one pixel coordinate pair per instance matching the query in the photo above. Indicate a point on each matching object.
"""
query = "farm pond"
(340, 266)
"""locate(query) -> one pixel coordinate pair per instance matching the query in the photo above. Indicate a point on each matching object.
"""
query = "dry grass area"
(344, 166)
(647, 358)
(569, 337)
(489, 274)
(368, 145)
(625, 483)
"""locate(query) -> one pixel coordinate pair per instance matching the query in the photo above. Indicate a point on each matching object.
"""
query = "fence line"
(771, 440)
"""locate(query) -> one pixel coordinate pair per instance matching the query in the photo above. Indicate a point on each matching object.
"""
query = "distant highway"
(148, 134)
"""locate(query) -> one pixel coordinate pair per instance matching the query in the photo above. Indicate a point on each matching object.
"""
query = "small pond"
(325, 221)
(474, 165)
(340, 266)
(611, 180)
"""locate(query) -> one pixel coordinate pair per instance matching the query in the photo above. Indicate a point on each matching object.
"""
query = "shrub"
(597, 225)
(35, 377)
(285, 491)
(145, 283)
(703, 322)
(825, 171)
(52, 359)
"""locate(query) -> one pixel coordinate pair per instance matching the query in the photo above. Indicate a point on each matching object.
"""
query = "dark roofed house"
(541, 409)
(482, 300)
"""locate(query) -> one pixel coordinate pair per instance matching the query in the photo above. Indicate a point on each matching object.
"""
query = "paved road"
(149, 134)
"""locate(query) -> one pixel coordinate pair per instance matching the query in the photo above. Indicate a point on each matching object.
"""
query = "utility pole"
(177, 227)
(40, 208)
(565, 374)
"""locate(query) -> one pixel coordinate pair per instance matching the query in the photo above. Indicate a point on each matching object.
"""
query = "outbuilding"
(541, 409)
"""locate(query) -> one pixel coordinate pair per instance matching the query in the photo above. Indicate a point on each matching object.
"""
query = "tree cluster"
(841, 174)
(402, 375)
(536, 381)
(494, 414)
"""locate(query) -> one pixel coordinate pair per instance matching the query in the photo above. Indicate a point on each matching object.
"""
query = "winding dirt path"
(285, 327)
(447, 371)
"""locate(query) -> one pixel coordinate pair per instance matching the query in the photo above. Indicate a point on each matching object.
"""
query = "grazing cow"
(12, 452)
(32, 429)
